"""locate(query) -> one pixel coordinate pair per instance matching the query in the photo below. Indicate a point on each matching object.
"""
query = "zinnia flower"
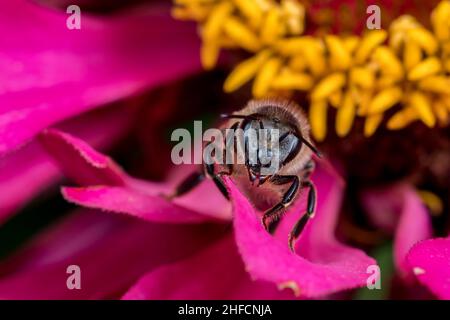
(384, 93)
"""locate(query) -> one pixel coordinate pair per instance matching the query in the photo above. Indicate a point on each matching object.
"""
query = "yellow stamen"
(292, 46)
(328, 85)
(384, 100)
(351, 43)
(372, 123)
(424, 39)
(370, 41)
(399, 29)
(209, 54)
(215, 21)
(345, 115)
(251, 10)
(297, 63)
(339, 55)
(432, 201)
(311, 49)
(411, 55)
(424, 69)
(295, 15)
(335, 98)
(245, 71)
(318, 119)
(437, 84)
(356, 75)
(272, 28)
(446, 102)
(447, 65)
(388, 61)
(265, 76)
(292, 80)
(402, 118)
(441, 112)
(386, 81)
(422, 105)
(365, 98)
(242, 35)
(440, 18)
(363, 77)
(314, 56)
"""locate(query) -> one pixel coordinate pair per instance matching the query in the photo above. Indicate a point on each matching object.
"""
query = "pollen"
(404, 69)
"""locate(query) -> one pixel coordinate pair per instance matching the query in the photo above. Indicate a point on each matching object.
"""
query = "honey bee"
(271, 192)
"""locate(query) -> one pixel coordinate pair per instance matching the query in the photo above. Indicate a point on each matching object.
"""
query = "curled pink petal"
(214, 273)
(81, 162)
(414, 225)
(399, 210)
(50, 73)
(30, 170)
(430, 262)
(111, 189)
(321, 266)
(125, 200)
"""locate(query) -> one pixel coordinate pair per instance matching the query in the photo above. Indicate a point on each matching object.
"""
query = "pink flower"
(65, 92)
(321, 266)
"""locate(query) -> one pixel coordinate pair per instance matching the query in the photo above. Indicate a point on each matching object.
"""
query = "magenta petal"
(430, 262)
(81, 162)
(214, 273)
(49, 73)
(321, 266)
(23, 175)
(30, 170)
(113, 252)
(126, 200)
(414, 225)
(399, 209)
(113, 190)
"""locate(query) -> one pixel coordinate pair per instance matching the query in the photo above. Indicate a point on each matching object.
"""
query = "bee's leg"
(189, 183)
(209, 169)
(225, 151)
(217, 178)
(273, 214)
(310, 209)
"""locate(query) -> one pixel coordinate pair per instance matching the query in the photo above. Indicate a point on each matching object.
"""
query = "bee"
(272, 192)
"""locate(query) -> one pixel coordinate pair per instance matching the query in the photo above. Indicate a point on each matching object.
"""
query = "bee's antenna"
(237, 116)
(313, 148)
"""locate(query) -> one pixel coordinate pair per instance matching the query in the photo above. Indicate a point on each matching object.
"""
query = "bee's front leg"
(217, 178)
(271, 217)
(310, 209)
(189, 183)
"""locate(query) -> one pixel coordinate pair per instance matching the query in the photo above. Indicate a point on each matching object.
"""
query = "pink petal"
(414, 226)
(430, 262)
(321, 266)
(113, 190)
(30, 171)
(214, 273)
(80, 162)
(49, 73)
(112, 251)
(125, 200)
(400, 210)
